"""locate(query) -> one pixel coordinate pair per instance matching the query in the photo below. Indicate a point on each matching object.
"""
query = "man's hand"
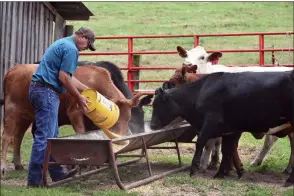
(83, 103)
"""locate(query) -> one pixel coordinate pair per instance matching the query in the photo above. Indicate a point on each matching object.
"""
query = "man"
(54, 76)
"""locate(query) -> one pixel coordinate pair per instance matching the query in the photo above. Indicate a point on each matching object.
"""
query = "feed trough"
(91, 149)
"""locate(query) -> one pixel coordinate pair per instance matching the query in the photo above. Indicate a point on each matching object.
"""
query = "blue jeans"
(45, 102)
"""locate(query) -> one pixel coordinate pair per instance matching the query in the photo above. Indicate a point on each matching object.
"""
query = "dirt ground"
(105, 180)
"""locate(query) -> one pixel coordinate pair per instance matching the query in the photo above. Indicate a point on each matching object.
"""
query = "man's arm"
(68, 83)
(80, 86)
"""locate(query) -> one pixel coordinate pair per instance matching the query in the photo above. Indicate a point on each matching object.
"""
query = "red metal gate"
(131, 69)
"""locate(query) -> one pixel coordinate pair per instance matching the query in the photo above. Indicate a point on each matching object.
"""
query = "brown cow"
(19, 114)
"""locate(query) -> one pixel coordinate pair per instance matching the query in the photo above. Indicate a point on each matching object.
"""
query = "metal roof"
(72, 10)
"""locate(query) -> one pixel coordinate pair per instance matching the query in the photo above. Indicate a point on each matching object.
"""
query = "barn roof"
(71, 10)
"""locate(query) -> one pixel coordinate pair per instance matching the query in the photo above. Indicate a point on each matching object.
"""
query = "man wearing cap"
(53, 77)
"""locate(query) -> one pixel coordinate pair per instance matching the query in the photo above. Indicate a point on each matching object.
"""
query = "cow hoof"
(219, 175)
(18, 167)
(193, 170)
(240, 174)
(3, 170)
(288, 184)
(255, 163)
(212, 166)
(287, 171)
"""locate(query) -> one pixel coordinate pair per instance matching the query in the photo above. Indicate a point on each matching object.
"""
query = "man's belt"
(44, 85)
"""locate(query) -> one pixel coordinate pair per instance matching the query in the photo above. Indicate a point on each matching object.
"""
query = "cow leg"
(6, 140)
(209, 146)
(268, 143)
(12, 133)
(210, 128)
(236, 159)
(229, 144)
(290, 180)
(18, 137)
(215, 154)
(291, 160)
(77, 121)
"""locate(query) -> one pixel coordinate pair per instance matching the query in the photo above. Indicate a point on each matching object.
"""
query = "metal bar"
(193, 35)
(196, 41)
(146, 156)
(174, 52)
(130, 75)
(178, 151)
(261, 48)
(53, 184)
(130, 155)
(174, 68)
(155, 177)
(164, 147)
(115, 169)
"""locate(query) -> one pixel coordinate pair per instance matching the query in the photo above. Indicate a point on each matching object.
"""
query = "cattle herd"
(218, 101)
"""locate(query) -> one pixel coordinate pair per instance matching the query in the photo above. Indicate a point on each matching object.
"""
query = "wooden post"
(68, 30)
(59, 27)
(136, 74)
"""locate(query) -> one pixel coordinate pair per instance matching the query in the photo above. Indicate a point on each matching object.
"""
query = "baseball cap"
(88, 33)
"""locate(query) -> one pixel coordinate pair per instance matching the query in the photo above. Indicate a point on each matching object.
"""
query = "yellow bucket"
(103, 112)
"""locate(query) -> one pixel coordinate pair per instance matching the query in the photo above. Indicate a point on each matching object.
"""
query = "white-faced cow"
(227, 104)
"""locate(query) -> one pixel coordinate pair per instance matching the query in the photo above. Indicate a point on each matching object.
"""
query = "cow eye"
(201, 58)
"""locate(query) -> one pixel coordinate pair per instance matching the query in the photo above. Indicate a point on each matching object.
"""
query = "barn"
(28, 28)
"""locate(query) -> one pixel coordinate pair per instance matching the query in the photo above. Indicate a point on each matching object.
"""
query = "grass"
(174, 18)
(171, 18)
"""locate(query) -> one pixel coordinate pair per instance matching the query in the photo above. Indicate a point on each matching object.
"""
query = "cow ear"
(182, 52)
(145, 100)
(135, 100)
(159, 91)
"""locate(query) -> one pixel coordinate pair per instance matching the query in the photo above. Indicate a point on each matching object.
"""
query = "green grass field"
(171, 18)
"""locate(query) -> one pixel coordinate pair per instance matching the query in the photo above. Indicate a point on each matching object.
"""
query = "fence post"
(261, 52)
(136, 74)
(130, 75)
(196, 41)
(68, 30)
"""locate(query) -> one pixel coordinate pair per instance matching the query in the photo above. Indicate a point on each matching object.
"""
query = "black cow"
(227, 104)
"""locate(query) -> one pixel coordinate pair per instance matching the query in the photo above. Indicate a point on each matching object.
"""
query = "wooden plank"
(33, 33)
(7, 36)
(20, 36)
(24, 31)
(36, 30)
(46, 27)
(41, 32)
(68, 30)
(3, 34)
(29, 33)
(13, 34)
(50, 29)
(50, 8)
(3, 16)
(59, 27)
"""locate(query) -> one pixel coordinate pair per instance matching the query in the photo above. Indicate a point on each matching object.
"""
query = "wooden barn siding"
(26, 31)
